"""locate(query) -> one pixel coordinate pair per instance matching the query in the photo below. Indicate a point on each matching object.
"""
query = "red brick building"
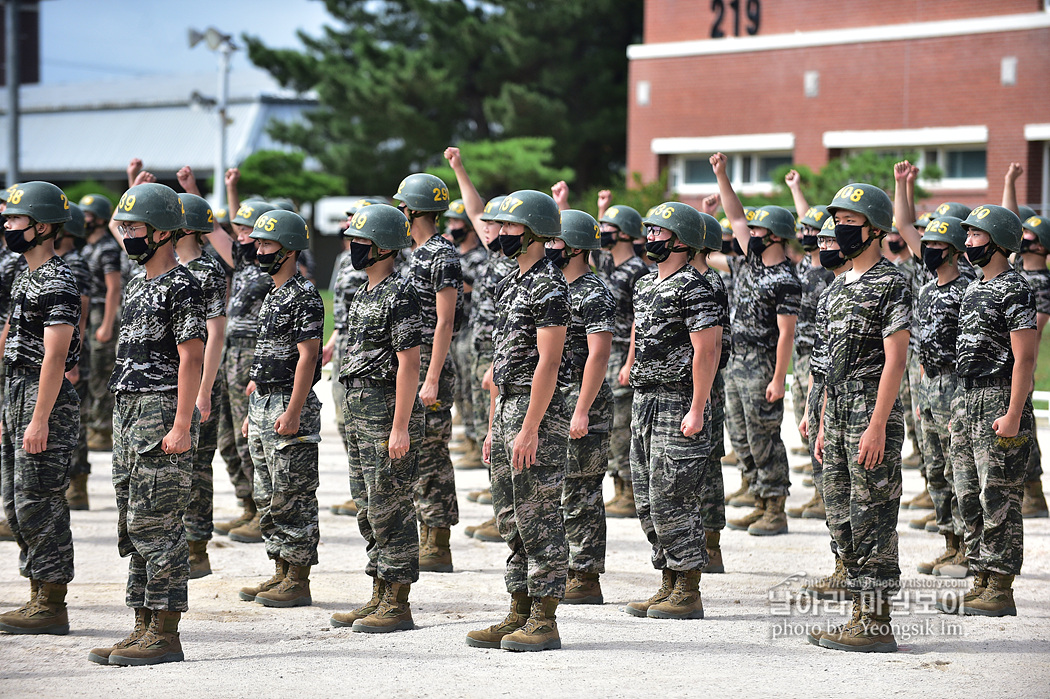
(964, 83)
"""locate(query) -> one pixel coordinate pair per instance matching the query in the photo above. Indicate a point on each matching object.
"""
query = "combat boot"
(617, 493)
(817, 634)
(922, 501)
(798, 512)
(438, 556)
(160, 643)
(5, 531)
(921, 522)
(470, 529)
(77, 493)
(684, 602)
(744, 489)
(394, 613)
(44, 614)
(800, 451)
(641, 609)
(870, 632)
(239, 521)
(583, 588)
(100, 440)
(832, 587)
(347, 509)
(996, 600)
(471, 457)
(750, 518)
(143, 617)
(746, 499)
(540, 632)
(773, 521)
(957, 567)
(473, 495)
(714, 552)
(954, 602)
(623, 508)
(348, 618)
(485, 498)
(817, 510)
(731, 459)
(493, 635)
(1033, 502)
(293, 591)
(249, 533)
(488, 531)
(951, 547)
(280, 571)
(200, 566)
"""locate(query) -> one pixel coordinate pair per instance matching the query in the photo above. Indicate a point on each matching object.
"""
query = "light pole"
(223, 44)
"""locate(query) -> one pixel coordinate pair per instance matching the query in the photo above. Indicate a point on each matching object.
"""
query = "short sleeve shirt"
(41, 297)
(937, 322)
(345, 284)
(714, 278)
(381, 322)
(289, 315)
(483, 302)
(621, 281)
(248, 287)
(813, 280)
(1039, 280)
(761, 294)
(435, 266)
(79, 267)
(592, 313)
(209, 274)
(989, 312)
(104, 257)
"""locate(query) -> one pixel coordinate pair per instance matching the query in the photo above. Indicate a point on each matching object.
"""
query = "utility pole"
(12, 77)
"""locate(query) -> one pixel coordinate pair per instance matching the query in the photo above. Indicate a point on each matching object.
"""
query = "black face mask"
(850, 239)
(459, 235)
(512, 245)
(896, 246)
(980, 255)
(270, 263)
(933, 258)
(757, 245)
(493, 245)
(360, 255)
(139, 249)
(727, 247)
(248, 251)
(639, 249)
(736, 247)
(809, 242)
(657, 250)
(832, 259)
(16, 240)
(558, 257)
(609, 239)
(1027, 245)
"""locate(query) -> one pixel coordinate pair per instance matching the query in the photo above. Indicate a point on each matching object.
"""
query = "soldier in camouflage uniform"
(862, 428)
(588, 400)
(673, 362)
(156, 381)
(284, 416)
(41, 413)
(992, 437)
(529, 427)
(438, 277)
(380, 371)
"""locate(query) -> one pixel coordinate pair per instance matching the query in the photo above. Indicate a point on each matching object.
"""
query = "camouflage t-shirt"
(47, 295)
(345, 283)
(665, 312)
(814, 279)
(79, 267)
(860, 316)
(539, 298)
(209, 274)
(103, 257)
(381, 322)
(248, 288)
(762, 293)
(472, 262)
(989, 312)
(11, 265)
(621, 280)
(818, 358)
(435, 266)
(918, 276)
(159, 315)
(289, 315)
(483, 303)
(1039, 280)
(592, 313)
(937, 320)
(714, 278)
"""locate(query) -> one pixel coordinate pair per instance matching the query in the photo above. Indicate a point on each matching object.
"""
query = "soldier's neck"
(621, 252)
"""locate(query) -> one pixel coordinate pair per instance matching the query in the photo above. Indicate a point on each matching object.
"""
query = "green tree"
(274, 173)
(501, 167)
(75, 191)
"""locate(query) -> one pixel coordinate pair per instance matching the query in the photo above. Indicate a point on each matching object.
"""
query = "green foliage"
(501, 167)
(274, 173)
(76, 191)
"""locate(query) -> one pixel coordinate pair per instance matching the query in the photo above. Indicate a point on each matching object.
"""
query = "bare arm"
(109, 315)
(550, 342)
(873, 441)
(212, 359)
(191, 361)
(233, 199)
(288, 423)
(903, 208)
(1023, 344)
(404, 398)
(785, 343)
(187, 180)
(52, 371)
(599, 346)
(472, 201)
(731, 202)
(446, 319)
(1010, 186)
(707, 347)
(794, 182)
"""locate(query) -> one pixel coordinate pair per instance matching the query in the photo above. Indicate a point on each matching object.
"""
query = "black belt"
(265, 389)
(241, 341)
(359, 382)
(986, 382)
(13, 371)
(934, 371)
(845, 388)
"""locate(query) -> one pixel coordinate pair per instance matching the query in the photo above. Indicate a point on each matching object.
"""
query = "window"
(962, 166)
(749, 172)
(965, 163)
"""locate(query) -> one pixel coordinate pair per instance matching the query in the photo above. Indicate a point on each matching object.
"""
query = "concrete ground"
(751, 641)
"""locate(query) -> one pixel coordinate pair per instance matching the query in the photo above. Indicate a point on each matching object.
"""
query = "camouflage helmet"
(627, 219)
(1025, 212)
(98, 205)
(535, 210)
(492, 208)
(952, 208)
(154, 204)
(249, 211)
(579, 230)
(923, 220)
(285, 204)
(199, 216)
(867, 200)
(75, 225)
(775, 219)
(458, 210)
(682, 220)
(363, 202)
(712, 232)
(815, 217)
(423, 192)
(42, 202)
(1002, 225)
(828, 229)
(285, 227)
(946, 229)
(384, 225)
(1040, 225)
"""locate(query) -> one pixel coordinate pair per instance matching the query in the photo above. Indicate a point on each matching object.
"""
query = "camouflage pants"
(712, 488)
(103, 356)
(1034, 471)
(226, 433)
(582, 505)
(989, 479)
(734, 411)
(286, 478)
(669, 469)
(814, 404)
(198, 518)
(480, 361)
(765, 464)
(462, 348)
(339, 391)
(33, 486)
(435, 489)
(237, 363)
(862, 504)
(527, 501)
(152, 491)
(800, 379)
(80, 465)
(385, 514)
(910, 399)
(620, 434)
(940, 400)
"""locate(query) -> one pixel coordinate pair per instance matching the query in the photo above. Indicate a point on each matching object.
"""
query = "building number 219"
(753, 10)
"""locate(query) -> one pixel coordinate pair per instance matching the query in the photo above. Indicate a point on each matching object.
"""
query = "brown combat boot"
(249, 533)
(239, 521)
(348, 618)
(641, 609)
(955, 601)
(624, 507)
(394, 613)
(540, 632)
(831, 587)
(438, 555)
(816, 510)
(921, 522)
(951, 547)
(5, 531)
(742, 497)
(160, 643)
(280, 571)
(617, 493)
(996, 600)
(488, 531)
(143, 617)
(742, 523)
(684, 602)
(77, 493)
(714, 552)
(774, 519)
(583, 588)
(731, 459)
(44, 614)
(798, 512)
(485, 497)
(922, 501)
(492, 636)
(293, 591)
(1033, 502)
(346, 509)
(870, 632)
(958, 566)
(816, 634)
(200, 565)
(470, 458)
(100, 440)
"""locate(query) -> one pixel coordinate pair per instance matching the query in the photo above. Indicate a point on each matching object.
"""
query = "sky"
(88, 40)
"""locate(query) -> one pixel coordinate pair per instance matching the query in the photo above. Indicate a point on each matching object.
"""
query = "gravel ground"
(749, 643)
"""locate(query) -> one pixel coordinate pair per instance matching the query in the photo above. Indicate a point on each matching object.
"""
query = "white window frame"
(735, 146)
